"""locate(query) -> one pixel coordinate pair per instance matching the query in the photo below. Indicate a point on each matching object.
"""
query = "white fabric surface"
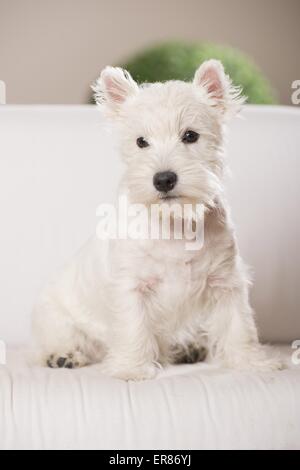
(186, 407)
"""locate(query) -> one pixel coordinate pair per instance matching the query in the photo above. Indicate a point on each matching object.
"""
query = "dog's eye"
(189, 137)
(141, 142)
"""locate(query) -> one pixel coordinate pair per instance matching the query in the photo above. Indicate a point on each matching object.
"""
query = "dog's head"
(171, 133)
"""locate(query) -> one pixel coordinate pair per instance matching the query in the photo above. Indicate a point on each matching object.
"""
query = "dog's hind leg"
(233, 339)
(60, 343)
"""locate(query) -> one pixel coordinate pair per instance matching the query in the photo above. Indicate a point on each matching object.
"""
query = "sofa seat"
(186, 407)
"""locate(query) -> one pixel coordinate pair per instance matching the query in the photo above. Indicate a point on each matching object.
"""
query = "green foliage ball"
(178, 61)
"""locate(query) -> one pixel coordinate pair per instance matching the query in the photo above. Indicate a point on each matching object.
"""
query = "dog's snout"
(165, 181)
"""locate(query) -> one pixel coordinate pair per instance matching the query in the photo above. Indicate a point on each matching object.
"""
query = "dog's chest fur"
(171, 280)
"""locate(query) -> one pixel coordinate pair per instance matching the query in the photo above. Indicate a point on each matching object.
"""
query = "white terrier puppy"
(135, 304)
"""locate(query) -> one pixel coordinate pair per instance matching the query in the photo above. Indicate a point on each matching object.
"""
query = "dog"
(137, 305)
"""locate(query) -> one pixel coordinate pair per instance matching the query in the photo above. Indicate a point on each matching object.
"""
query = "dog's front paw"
(135, 373)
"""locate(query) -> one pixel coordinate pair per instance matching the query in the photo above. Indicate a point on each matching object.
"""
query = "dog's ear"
(222, 93)
(113, 87)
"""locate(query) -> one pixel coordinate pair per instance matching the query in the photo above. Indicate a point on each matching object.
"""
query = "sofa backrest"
(57, 163)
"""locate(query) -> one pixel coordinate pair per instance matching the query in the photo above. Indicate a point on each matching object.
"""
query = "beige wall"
(51, 50)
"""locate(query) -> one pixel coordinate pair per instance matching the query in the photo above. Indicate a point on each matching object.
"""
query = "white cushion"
(186, 407)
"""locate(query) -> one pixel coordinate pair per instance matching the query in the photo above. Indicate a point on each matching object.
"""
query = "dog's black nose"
(165, 181)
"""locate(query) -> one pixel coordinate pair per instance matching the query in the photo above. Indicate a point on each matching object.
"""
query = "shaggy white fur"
(134, 305)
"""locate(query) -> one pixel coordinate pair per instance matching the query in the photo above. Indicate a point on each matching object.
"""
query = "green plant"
(178, 61)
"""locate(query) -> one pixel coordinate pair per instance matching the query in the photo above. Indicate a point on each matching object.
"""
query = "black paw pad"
(190, 355)
(195, 354)
(61, 362)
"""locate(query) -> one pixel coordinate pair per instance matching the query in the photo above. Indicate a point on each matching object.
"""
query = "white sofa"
(56, 165)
